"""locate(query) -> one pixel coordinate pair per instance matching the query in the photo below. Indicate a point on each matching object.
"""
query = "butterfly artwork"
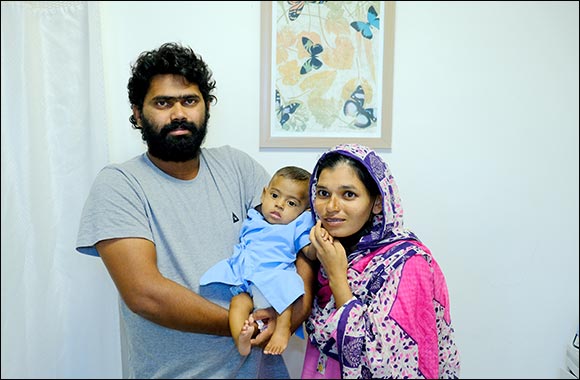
(313, 62)
(284, 111)
(365, 27)
(354, 107)
(296, 7)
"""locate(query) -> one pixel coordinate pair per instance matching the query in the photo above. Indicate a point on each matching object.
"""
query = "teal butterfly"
(313, 62)
(284, 111)
(354, 107)
(365, 27)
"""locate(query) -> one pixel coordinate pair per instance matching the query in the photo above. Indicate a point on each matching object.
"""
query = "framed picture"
(327, 73)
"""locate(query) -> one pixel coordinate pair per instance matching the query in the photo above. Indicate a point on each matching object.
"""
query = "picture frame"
(326, 73)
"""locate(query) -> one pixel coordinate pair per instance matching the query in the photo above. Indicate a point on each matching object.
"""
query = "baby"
(262, 269)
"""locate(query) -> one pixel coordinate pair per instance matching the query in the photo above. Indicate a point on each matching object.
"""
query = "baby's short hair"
(293, 173)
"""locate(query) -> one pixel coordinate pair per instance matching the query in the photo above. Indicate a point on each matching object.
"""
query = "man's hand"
(268, 317)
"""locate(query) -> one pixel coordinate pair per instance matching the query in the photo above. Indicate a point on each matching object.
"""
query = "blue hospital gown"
(265, 257)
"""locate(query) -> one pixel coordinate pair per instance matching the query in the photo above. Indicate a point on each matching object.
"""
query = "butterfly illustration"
(313, 62)
(354, 107)
(284, 112)
(365, 27)
(296, 8)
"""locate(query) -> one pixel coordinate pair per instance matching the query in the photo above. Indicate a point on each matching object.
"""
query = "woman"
(382, 308)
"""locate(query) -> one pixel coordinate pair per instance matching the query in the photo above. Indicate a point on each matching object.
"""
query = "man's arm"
(309, 252)
(132, 264)
(302, 307)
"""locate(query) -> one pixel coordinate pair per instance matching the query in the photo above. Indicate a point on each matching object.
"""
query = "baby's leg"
(282, 333)
(245, 337)
(241, 307)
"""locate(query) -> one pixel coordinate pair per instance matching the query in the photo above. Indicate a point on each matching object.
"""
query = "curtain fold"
(59, 309)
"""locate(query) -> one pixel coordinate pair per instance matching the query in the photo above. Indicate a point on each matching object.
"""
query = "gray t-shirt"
(193, 224)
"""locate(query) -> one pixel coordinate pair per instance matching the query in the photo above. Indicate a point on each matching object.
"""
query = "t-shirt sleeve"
(114, 209)
(304, 224)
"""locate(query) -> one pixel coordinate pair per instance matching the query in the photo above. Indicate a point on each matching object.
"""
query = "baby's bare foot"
(244, 344)
(277, 343)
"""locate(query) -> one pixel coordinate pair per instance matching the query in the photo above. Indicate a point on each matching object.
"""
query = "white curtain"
(59, 308)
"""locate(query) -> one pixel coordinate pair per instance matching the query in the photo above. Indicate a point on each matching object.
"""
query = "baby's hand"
(325, 236)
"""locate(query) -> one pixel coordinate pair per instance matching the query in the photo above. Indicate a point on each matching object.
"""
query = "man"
(161, 219)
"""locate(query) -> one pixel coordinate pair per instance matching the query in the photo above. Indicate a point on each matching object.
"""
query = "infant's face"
(283, 200)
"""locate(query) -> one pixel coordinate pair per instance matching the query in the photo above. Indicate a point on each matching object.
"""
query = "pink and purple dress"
(397, 324)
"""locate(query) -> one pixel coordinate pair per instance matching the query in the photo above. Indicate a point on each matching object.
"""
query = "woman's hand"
(332, 257)
(329, 252)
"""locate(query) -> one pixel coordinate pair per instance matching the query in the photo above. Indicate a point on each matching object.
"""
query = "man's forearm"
(303, 306)
(171, 305)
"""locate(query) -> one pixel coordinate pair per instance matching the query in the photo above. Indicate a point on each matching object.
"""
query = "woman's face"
(342, 201)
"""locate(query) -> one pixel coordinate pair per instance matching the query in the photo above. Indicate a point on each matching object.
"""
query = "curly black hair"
(169, 58)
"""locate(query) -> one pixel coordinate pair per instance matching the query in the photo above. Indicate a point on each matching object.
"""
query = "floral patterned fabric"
(397, 324)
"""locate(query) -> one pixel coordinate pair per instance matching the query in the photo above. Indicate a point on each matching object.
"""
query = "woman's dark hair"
(332, 160)
(170, 58)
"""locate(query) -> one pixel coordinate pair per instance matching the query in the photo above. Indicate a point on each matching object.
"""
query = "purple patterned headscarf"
(391, 327)
(387, 227)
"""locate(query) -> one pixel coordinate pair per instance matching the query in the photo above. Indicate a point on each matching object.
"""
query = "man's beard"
(179, 148)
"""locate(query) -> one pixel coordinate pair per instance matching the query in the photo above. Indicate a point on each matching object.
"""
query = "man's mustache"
(178, 125)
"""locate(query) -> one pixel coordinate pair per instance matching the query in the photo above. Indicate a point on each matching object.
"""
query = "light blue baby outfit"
(265, 258)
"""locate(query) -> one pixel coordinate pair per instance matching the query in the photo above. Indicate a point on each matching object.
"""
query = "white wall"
(485, 151)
